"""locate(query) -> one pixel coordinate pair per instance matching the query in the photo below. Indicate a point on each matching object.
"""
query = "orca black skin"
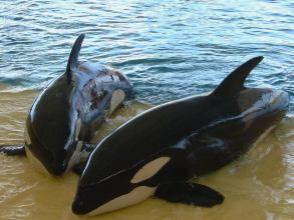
(68, 111)
(160, 150)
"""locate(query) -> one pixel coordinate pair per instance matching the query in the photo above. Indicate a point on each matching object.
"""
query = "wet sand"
(257, 186)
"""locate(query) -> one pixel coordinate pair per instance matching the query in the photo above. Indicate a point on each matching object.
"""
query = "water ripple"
(168, 49)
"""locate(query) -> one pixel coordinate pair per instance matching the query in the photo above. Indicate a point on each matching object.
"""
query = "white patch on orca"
(78, 128)
(137, 195)
(73, 128)
(116, 99)
(75, 157)
(150, 169)
(35, 162)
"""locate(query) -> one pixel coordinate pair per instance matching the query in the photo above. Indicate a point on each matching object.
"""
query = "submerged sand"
(257, 186)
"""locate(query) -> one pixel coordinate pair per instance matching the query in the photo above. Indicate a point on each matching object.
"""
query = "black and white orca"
(159, 151)
(68, 111)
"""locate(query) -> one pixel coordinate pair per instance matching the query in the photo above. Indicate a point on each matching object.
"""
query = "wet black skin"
(69, 110)
(48, 125)
(200, 134)
(49, 120)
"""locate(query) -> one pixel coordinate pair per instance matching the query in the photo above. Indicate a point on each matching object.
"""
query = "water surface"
(169, 49)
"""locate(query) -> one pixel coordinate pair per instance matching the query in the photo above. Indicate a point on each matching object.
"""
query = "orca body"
(68, 111)
(160, 150)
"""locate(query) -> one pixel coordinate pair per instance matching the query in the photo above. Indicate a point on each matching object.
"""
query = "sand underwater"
(257, 186)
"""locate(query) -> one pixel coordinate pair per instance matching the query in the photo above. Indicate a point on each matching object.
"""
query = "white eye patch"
(117, 98)
(78, 129)
(75, 157)
(150, 169)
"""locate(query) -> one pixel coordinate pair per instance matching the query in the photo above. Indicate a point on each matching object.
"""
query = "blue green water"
(169, 49)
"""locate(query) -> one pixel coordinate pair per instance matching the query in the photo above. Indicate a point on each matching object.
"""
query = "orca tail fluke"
(234, 82)
(72, 63)
(12, 150)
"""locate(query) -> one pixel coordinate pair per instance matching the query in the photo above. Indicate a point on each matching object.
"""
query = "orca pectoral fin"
(12, 150)
(189, 193)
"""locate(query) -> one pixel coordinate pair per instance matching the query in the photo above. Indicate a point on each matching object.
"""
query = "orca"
(158, 152)
(65, 115)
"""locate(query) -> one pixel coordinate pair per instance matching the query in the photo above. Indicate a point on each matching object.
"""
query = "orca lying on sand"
(159, 151)
(68, 111)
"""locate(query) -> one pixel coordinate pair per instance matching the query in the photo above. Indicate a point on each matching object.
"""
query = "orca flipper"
(189, 193)
(12, 150)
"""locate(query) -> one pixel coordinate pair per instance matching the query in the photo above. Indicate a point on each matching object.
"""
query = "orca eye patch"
(117, 98)
(150, 169)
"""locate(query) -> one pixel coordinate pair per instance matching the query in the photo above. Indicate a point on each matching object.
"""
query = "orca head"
(125, 187)
(69, 110)
(51, 126)
(263, 102)
(48, 128)
(261, 109)
(247, 112)
(103, 87)
(120, 91)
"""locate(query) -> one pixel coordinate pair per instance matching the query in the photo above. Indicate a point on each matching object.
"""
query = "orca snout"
(89, 197)
(77, 206)
(56, 166)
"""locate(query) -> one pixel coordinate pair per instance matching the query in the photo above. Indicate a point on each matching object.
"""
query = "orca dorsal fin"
(72, 62)
(234, 82)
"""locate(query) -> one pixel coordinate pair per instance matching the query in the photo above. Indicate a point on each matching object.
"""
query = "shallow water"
(257, 186)
(169, 49)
